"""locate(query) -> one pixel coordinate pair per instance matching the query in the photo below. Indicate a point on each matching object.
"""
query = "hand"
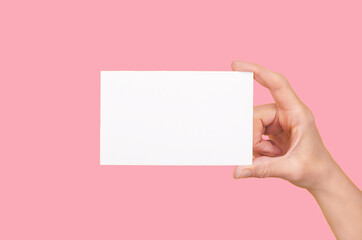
(294, 150)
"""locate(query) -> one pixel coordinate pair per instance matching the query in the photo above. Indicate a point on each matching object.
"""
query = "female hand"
(296, 153)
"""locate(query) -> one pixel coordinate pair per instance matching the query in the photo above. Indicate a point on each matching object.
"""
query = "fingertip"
(234, 173)
(235, 64)
(242, 172)
(232, 65)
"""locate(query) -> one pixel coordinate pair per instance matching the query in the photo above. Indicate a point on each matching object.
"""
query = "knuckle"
(308, 115)
(281, 76)
(280, 80)
(264, 170)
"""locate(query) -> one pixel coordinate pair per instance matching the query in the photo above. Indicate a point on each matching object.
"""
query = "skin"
(295, 152)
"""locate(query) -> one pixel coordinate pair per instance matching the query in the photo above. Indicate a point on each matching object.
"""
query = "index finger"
(283, 94)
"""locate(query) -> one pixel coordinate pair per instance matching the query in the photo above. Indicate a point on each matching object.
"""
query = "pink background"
(52, 186)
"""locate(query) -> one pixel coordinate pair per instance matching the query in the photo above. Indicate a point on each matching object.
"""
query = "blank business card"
(176, 118)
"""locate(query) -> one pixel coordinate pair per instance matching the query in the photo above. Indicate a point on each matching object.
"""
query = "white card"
(176, 118)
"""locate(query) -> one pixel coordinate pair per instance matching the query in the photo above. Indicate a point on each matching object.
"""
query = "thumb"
(263, 167)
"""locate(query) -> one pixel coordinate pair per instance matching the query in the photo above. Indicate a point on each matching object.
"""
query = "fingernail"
(243, 173)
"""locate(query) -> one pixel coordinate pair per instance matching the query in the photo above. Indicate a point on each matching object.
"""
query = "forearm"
(341, 203)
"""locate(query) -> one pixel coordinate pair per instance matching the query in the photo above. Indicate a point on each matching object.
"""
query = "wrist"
(328, 178)
(333, 181)
(340, 201)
